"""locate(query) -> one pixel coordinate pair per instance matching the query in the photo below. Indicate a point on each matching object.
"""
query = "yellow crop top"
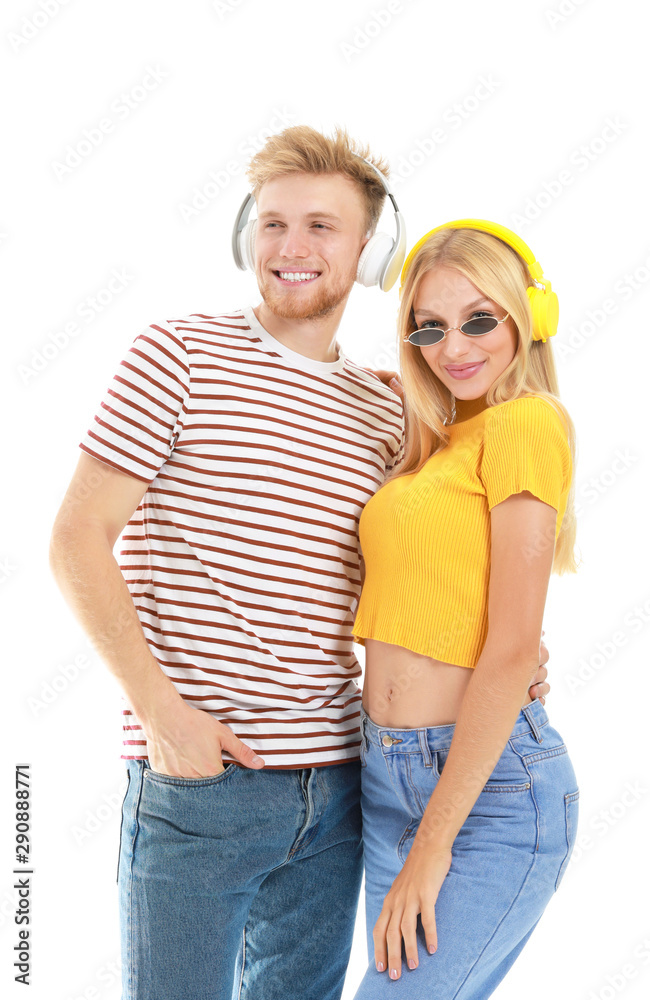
(426, 536)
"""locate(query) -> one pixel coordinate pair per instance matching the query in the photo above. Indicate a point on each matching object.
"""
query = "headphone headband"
(494, 229)
(543, 301)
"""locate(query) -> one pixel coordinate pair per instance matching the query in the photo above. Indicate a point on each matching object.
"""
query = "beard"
(321, 302)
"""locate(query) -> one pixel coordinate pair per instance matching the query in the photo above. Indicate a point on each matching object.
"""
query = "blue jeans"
(507, 860)
(240, 885)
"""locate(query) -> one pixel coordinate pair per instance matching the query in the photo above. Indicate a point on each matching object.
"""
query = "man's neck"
(313, 338)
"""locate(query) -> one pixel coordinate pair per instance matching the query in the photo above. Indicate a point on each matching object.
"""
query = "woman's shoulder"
(525, 413)
(526, 446)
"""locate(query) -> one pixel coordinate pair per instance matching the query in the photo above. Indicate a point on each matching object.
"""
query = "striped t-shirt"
(243, 558)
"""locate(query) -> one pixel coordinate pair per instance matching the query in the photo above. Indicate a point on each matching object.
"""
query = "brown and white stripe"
(243, 557)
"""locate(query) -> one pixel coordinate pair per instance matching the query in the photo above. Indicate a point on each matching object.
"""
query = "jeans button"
(387, 740)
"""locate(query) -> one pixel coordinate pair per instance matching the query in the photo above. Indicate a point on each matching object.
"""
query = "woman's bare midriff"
(405, 690)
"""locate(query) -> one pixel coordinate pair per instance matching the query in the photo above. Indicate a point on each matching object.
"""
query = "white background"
(542, 119)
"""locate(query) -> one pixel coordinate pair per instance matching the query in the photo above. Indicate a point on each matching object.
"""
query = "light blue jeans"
(507, 860)
(241, 885)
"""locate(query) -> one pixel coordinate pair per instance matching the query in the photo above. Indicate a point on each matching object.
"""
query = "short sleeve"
(136, 426)
(399, 454)
(526, 448)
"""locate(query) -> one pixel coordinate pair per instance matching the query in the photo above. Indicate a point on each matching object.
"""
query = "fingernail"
(380, 966)
(432, 949)
(393, 973)
(411, 963)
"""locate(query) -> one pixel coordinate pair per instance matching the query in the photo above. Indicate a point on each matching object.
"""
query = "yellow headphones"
(543, 301)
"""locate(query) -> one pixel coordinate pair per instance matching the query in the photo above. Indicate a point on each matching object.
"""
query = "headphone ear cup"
(373, 259)
(247, 244)
(545, 308)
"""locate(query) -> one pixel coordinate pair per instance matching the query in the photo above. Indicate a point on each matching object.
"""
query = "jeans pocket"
(508, 775)
(571, 811)
(170, 779)
(495, 786)
(406, 840)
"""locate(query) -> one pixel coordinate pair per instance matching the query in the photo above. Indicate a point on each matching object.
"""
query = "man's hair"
(301, 149)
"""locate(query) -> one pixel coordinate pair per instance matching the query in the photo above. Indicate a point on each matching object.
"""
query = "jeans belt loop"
(537, 733)
(425, 748)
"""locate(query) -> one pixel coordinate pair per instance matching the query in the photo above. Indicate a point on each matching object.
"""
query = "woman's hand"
(389, 378)
(414, 891)
(539, 687)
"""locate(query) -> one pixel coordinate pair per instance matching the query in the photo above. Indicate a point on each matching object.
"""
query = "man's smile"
(289, 277)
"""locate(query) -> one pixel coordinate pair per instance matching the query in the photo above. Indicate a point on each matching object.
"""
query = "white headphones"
(380, 261)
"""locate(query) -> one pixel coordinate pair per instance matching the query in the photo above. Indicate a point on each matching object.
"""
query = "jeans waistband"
(532, 718)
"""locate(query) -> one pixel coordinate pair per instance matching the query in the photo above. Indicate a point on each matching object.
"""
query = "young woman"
(469, 798)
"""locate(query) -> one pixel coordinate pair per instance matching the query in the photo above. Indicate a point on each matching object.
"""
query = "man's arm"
(98, 504)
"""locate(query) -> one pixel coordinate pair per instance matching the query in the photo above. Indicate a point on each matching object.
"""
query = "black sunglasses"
(427, 336)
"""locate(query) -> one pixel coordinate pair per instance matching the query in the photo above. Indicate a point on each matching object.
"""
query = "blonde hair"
(498, 272)
(301, 149)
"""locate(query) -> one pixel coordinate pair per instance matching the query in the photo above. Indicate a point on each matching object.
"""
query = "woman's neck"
(466, 408)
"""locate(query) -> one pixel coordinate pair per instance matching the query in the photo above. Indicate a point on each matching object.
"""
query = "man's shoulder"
(210, 322)
(369, 383)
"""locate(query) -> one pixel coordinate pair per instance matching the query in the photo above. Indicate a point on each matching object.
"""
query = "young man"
(236, 452)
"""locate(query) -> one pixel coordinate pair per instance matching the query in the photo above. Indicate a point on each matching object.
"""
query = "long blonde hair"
(498, 272)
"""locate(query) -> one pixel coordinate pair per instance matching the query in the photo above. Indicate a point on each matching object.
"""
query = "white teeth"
(298, 275)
